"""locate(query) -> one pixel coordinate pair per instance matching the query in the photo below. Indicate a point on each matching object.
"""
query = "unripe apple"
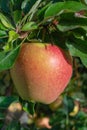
(56, 104)
(41, 72)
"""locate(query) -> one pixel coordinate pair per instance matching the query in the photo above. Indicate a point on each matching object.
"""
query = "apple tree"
(55, 30)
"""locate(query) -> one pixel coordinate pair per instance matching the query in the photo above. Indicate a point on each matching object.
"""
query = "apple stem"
(45, 46)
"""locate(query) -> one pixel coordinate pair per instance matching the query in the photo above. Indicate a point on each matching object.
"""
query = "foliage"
(61, 22)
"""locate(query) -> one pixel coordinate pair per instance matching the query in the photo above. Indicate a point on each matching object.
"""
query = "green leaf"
(82, 45)
(5, 6)
(78, 48)
(17, 15)
(85, 1)
(13, 125)
(27, 5)
(5, 22)
(2, 33)
(29, 26)
(54, 9)
(84, 60)
(69, 21)
(24, 4)
(79, 33)
(29, 107)
(2, 27)
(2, 116)
(6, 101)
(16, 4)
(41, 12)
(60, 7)
(7, 59)
(12, 37)
(68, 104)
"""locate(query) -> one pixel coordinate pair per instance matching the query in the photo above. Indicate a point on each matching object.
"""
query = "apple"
(41, 72)
(43, 122)
(56, 104)
(14, 111)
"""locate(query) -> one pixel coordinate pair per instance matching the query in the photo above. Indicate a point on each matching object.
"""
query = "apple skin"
(41, 72)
